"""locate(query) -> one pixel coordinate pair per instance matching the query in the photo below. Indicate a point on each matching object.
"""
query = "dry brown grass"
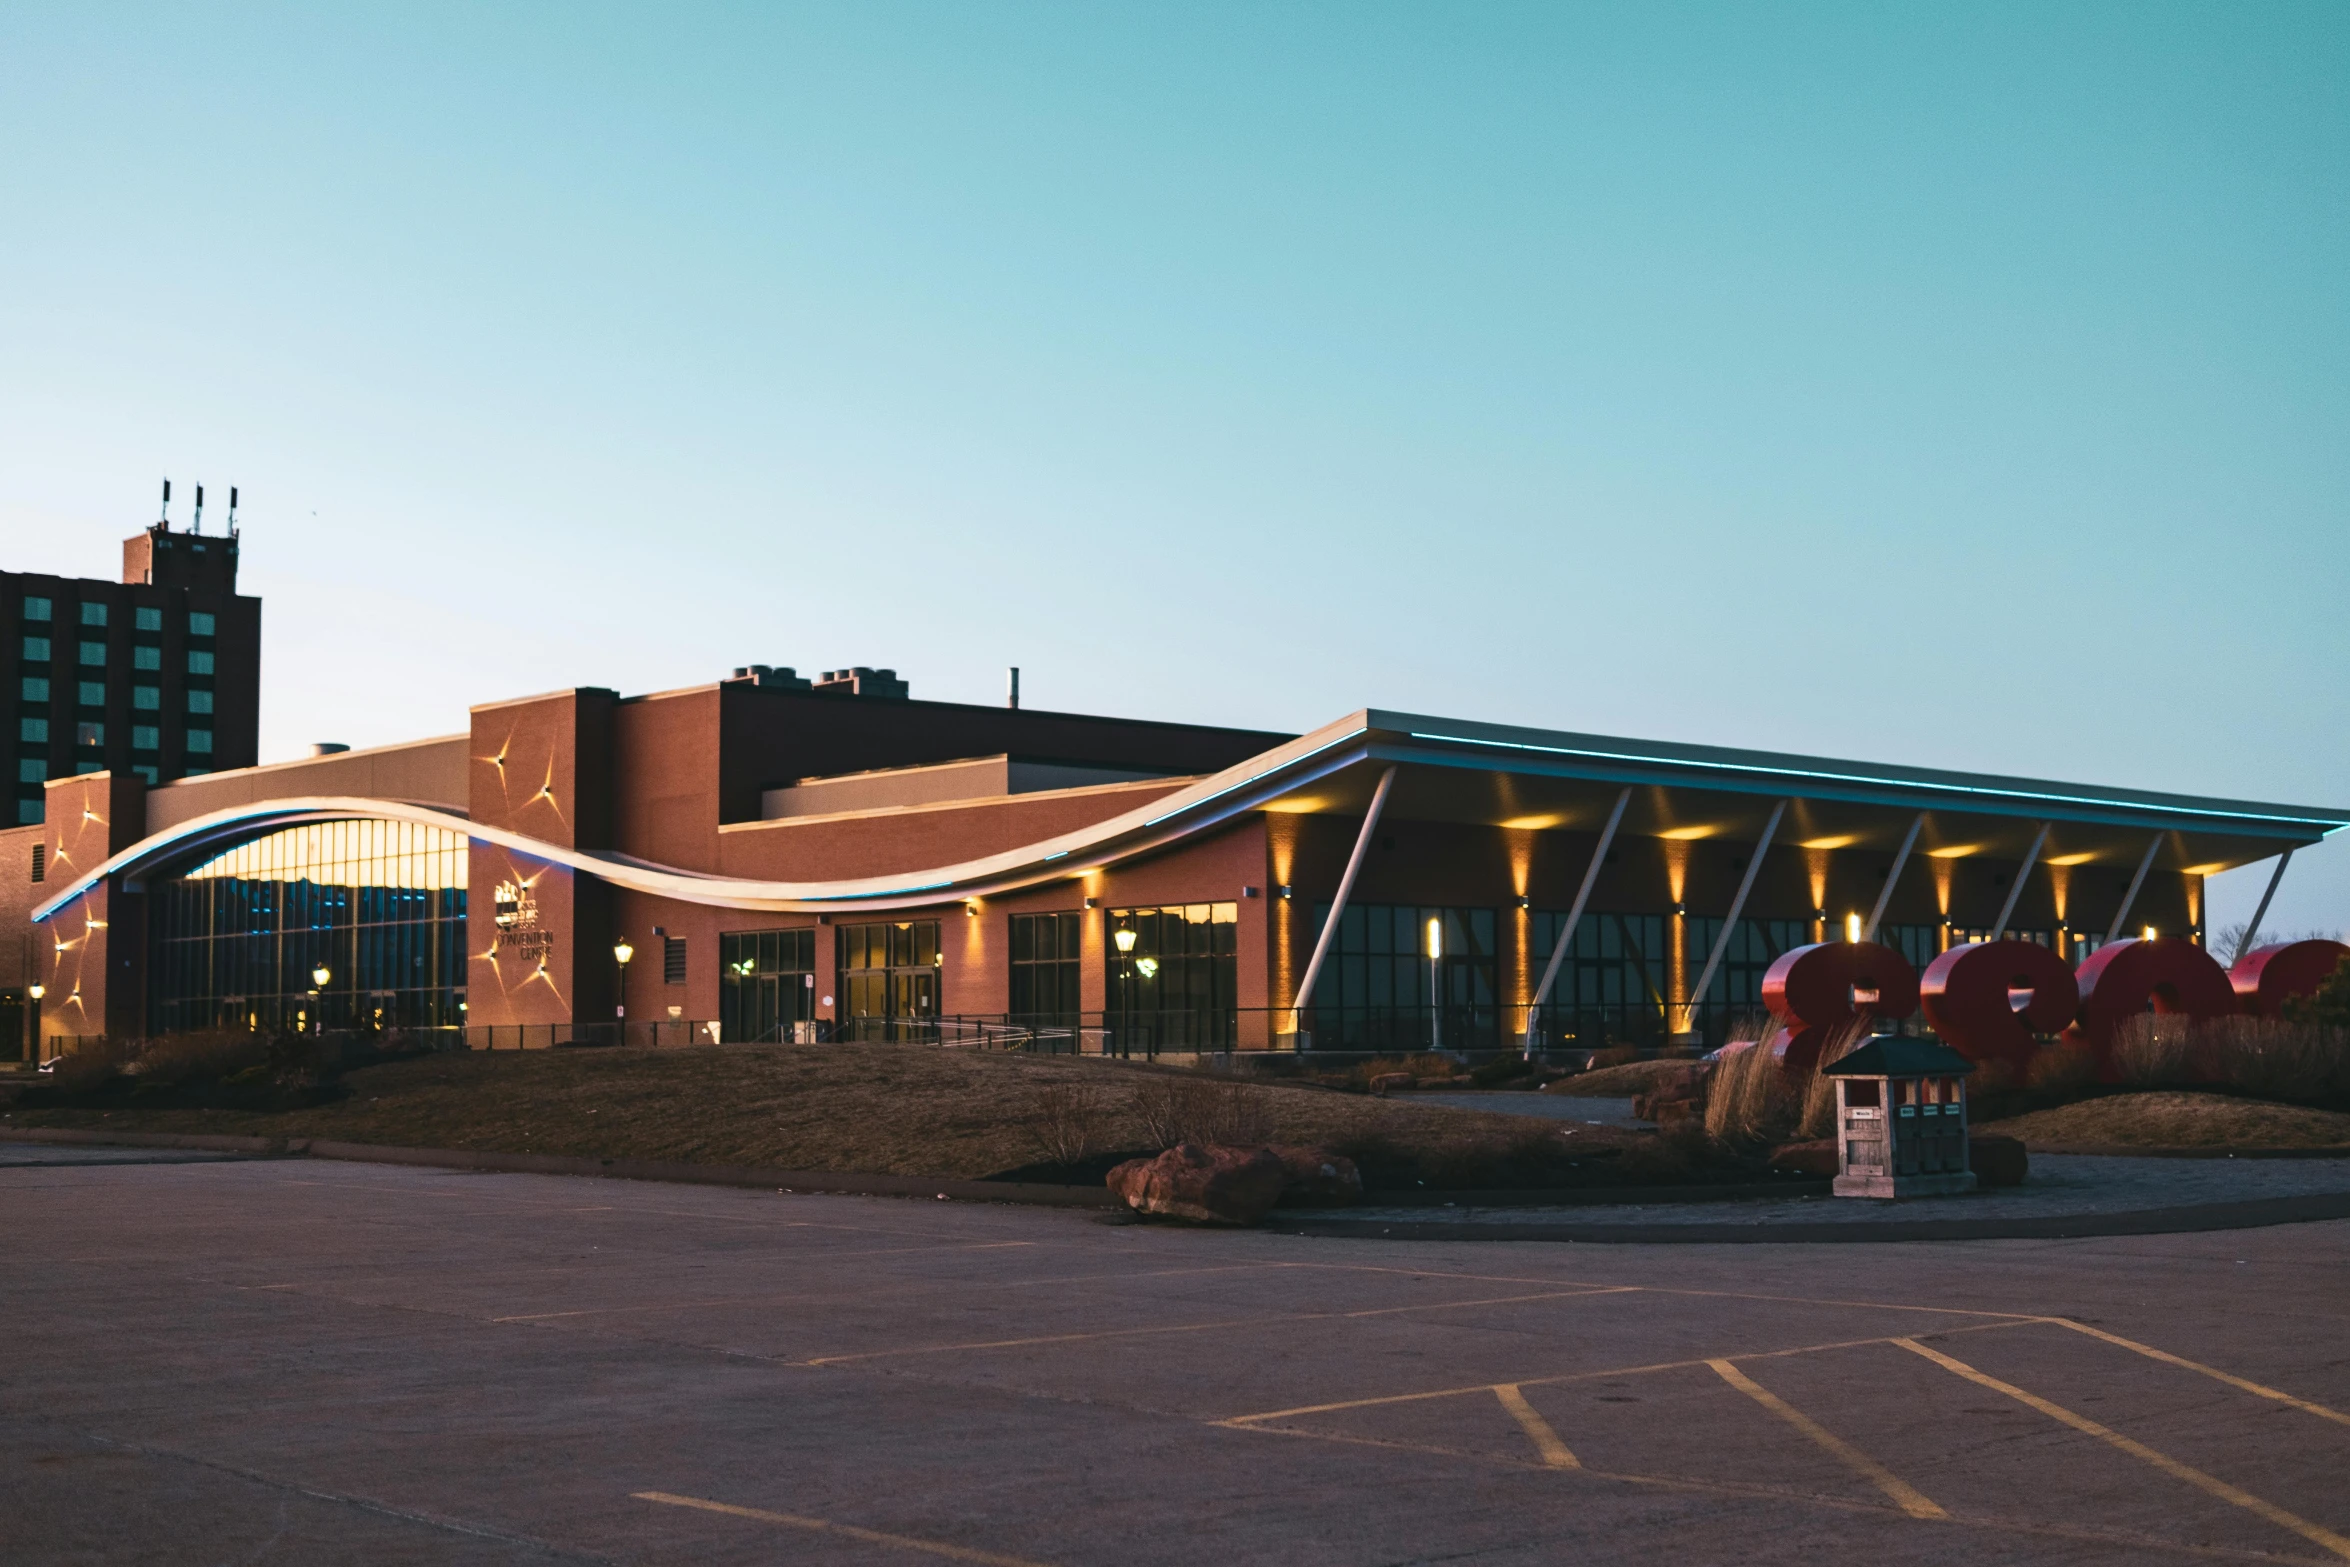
(2179, 1120)
(2155, 1050)
(1621, 1081)
(900, 1109)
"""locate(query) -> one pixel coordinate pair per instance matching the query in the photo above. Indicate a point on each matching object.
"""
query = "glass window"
(1611, 982)
(888, 980)
(93, 614)
(145, 618)
(94, 654)
(93, 693)
(31, 769)
(36, 650)
(199, 701)
(148, 775)
(146, 737)
(89, 734)
(28, 812)
(200, 742)
(1173, 974)
(146, 658)
(36, 689)
(1045, 979)
(1383, 989)
(199, 662)
(767, 986)
(199, 624)
(88, 767)
(36, 729)
(147, 698)
(36, 609)
(231, 941)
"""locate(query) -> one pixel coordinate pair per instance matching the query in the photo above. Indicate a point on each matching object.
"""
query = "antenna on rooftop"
(232, 511)
(164, 521)
(199, 523)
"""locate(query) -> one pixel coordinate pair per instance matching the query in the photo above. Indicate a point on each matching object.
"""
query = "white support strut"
(1899, 860)
(2122, 915)
(2022, 873)
(2252, 931)
(1558, 952)
(1346, 885)
(1730, 925)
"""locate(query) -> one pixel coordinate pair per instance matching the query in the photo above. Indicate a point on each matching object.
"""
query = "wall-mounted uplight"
(1285, 892)
(972, 909)
(2149, 933)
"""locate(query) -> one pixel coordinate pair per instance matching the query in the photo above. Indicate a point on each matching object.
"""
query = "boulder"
(1996, 1160)
(1207, 1185)
(1390, 1082)
(1318, 1179)
(1806, 1158)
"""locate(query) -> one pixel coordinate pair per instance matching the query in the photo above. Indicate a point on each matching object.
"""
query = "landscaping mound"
(2178, 1120)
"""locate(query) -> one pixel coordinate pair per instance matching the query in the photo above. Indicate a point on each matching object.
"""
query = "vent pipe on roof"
(1012, 695)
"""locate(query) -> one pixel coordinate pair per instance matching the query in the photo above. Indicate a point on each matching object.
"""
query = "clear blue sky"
(1955, 385)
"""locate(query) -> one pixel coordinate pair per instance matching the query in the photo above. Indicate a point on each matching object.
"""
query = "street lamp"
(621, 953)
(36, 992)
(1435, 982)
(318, 980)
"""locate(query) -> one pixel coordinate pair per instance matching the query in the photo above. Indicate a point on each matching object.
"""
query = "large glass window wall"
(889, 980)
(233, 939)
(1174, 975)
(1405, 976)
(767, 986)
(1045, 965)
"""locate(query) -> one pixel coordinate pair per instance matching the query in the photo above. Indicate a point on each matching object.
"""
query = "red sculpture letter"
(1815, 990)
(2119, 981)
(2266, 976)
(1975, 996)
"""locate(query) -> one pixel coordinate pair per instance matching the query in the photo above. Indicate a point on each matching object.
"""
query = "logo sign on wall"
(516, 910)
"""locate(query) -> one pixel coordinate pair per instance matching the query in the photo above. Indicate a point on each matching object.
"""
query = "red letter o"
(1969, 998)
(2264, 977)
(2118, 982)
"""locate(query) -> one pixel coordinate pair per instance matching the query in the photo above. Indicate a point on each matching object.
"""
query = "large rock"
(1318, 1179)
(1996, 1160)
(1806, 1158)
(1207, 1185)
(1392, 1082)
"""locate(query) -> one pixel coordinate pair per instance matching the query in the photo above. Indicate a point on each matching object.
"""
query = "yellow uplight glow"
(2213, 869)
(1533, 823)
(2070, 859)
(1852, 927)
(1688, 834)
(2149, 933)
(1435, 938)
(1954, 851)
(1841, 841)
(1297, 805)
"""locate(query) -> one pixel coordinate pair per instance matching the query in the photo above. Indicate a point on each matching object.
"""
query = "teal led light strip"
(1891, 783)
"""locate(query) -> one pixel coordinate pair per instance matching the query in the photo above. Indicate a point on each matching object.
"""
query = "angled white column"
(1713, 960)
(2252, 931)
(2016, 890)
(2122, 916)
(1899, 860)
(1607, 837)
(1346, 886)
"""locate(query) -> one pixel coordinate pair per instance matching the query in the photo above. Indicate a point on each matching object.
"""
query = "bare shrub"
(213, 1054)
(1819, 1089)
(1174, 1110)
(1064, 1123)
(2154, 1050)
(2268, 1058)
(1613, 1055)
(89, 1065)
(1749, 1101)
(2061, 1070)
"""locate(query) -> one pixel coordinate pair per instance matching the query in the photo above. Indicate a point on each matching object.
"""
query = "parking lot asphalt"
(295, 1361)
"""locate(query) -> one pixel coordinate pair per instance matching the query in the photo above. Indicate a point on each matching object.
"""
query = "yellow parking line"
(821, 1526)
(1546, 1441)
(2168, 1359)
(1904, 1495)
(2317, 1534)
(1590, 1376)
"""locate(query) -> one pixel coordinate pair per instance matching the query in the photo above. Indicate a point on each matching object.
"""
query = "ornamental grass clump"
(2155, 1050)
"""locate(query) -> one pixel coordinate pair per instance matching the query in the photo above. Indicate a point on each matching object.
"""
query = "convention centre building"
(773, 857)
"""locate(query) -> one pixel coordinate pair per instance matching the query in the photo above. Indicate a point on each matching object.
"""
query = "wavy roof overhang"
(1495, 754)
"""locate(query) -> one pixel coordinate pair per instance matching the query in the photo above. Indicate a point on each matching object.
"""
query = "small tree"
(2329, 1007)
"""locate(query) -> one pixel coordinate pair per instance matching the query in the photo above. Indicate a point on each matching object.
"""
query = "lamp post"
(621, 953)
(1435, 983)
(36, 991)
(319, 977)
